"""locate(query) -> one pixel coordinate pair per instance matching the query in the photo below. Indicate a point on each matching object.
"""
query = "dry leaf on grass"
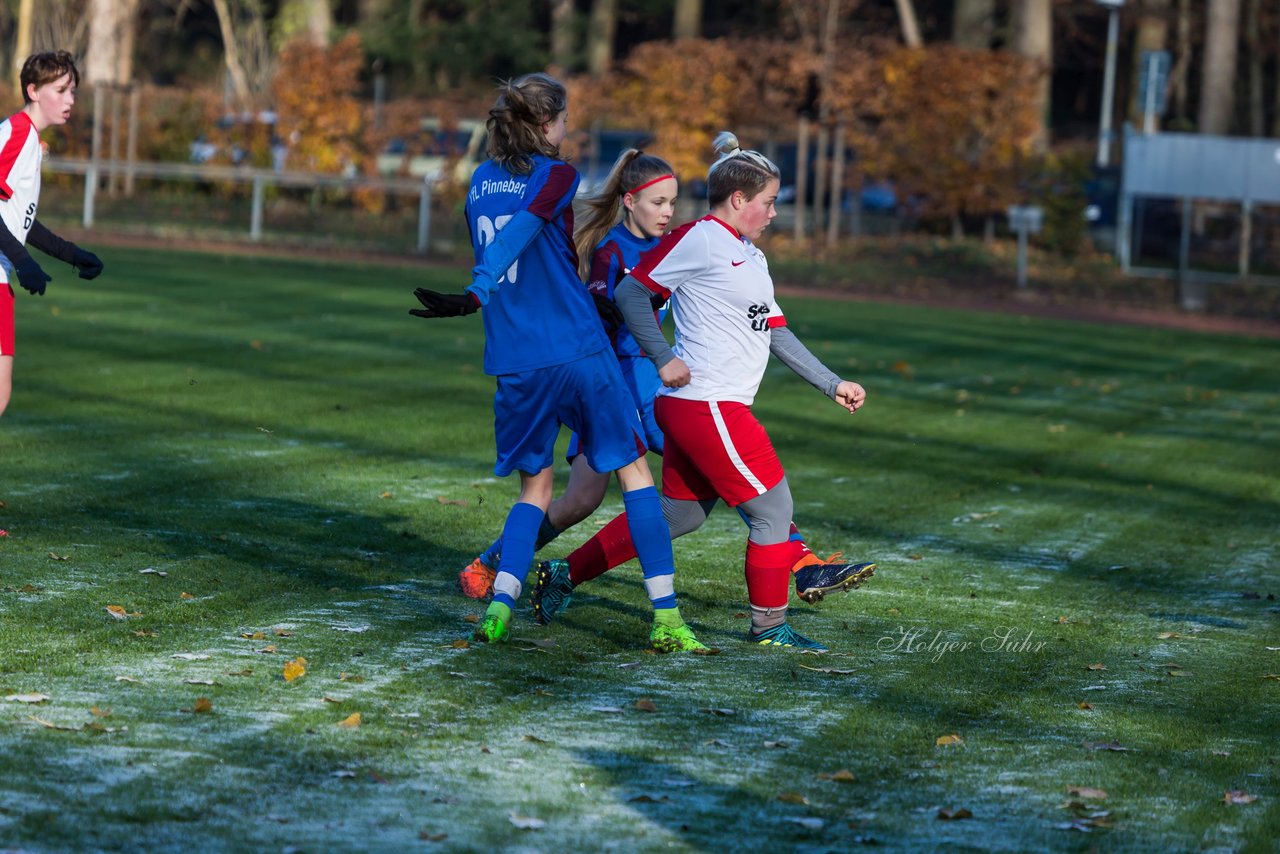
(253, 636)
(295, 668)
(644, 704)
(190, 656)
(350, 721)
(184, 595)
(793, 798)
(198, 682)
(203, 706)
(953, 815)
(525, 822)
(1087, 793)
(809, 822)
(151, 571)
(119, 613)
(720, 713)
(844, 775)
(944, 740)
(1096, 667)
(608, 710)
(59, 557)
(27, 698)
(1106, 745)
(100, 713)
(831, 670)
(52, 725)
(776, 745)
(1235, 796)
(129, 679)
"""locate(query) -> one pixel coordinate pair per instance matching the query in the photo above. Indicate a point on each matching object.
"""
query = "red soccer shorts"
(6, 319)
(714, 449)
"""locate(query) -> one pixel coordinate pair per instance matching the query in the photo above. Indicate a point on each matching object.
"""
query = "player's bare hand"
(850, 395)
(674, 374)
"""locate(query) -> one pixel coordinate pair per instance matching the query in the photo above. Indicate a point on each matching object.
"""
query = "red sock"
(607, 549)
(769, 574)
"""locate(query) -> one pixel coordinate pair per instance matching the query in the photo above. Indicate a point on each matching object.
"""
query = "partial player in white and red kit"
(49, 88)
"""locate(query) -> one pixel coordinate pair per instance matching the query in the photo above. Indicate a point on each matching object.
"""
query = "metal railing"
(259, 179)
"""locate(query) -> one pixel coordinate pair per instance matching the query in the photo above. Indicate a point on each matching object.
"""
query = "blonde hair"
(632, 169)
(737, 170)
(515, 123)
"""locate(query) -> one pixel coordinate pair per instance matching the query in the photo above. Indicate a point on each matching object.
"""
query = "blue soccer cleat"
(816, 577)
(784, 635)
(552, 590)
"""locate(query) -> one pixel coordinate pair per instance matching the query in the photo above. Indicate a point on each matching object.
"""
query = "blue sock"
(651, 536)
(490, 556)
(518, 536)
(546, 533)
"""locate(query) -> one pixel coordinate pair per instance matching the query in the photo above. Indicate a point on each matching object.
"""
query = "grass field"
(1078, 532)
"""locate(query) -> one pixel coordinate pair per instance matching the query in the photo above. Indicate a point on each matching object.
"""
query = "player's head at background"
(528, 118)
(44, 68)
(641, 189)
(742, 186)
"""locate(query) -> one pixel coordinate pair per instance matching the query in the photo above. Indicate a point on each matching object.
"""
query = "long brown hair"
(748, 171)
(632, 169)
(515, 123)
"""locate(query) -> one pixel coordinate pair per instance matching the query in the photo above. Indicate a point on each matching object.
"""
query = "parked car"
(451, 151)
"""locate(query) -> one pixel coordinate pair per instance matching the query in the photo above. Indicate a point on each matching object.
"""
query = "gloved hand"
(608, 311)
(444, 305)
(88, 264)
(31, 276)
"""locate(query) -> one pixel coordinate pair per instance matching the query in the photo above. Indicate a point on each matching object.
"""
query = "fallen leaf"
(1272, 676)
(51, 725)
(711, 650)
(198, 682)
(525, 823)
(349, 677)
(117, 612)
(954, 815)
(428, 836)
(831, 670)
(269, 649)
(1086, 706)
(1096, 667)
(644, 704)
(144, 633)
(59, 557)
(458, 502)
(100, 713)
(327, 699)
(1105, 745)
(471, 618)
(648, 799)
(1084, 825)
(1087, 793)
(715, 742)
(943, 740)
(253, 636)
(203, 706)
(793, 798)
(1222, 753)
(776, 745)
(609, 710)
(185, 595)
(385, 495)
(27, 698)
(343, 774)
(128, 679)
(191, 656)
(1235, 796)
(1168, 635)
(350, 721)
(248, 671)
(809, 822)
(150, 571)
(722, 713)
(295, 668)
(282, 633)
(844, 775)
(461, 643)
(629, 665)
(536, 740)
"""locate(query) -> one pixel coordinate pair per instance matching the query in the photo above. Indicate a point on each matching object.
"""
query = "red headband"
(648, 184)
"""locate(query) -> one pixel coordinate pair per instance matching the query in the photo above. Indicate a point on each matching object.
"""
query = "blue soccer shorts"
(589, 396)
(642, 378)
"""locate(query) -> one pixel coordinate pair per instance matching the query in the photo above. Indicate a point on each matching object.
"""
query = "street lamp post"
(1109, 81)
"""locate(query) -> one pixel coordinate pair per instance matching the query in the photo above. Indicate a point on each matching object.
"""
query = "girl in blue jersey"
(643, 188)
(548, 351)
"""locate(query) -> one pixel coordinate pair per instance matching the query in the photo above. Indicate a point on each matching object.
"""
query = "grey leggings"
(767, 515)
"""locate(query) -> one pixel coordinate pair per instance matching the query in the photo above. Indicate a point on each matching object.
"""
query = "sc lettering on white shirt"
(758, 314)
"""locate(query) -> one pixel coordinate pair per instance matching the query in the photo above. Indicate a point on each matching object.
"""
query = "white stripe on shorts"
(727, 441)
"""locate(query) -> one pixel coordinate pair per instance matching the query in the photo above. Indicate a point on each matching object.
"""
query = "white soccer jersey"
(722, 300)
(20, 157)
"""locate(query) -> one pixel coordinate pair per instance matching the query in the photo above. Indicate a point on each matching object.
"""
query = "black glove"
(89, 265)
(608, 311)
(444, 305)
(31, 277)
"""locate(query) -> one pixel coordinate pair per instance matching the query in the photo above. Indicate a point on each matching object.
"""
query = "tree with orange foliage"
(319, 113)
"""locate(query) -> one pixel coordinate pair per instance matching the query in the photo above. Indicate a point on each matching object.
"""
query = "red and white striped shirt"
(20, 158)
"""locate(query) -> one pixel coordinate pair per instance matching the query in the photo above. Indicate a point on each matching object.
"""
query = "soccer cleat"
(816, 577)
(784, 635)
(552, 590)
(674, 638)
(476, 580)
(491, 630)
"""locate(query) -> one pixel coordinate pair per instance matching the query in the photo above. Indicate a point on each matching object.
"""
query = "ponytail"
(515, 123)
(737, 170)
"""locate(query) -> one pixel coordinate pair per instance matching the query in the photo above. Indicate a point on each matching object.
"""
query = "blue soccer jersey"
(614, 256)
(540, 315)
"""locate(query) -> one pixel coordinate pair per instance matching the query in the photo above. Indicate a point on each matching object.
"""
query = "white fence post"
(255, 224)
